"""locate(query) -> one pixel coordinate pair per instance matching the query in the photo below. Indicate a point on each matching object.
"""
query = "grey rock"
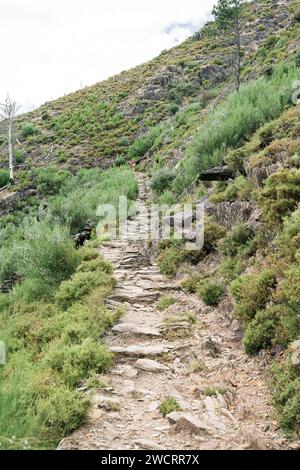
(212, 73)
(173, 417)
(148, 365)
(147, 444)
(188, 422)
(130, 328)
(230, 213)
(141, 350)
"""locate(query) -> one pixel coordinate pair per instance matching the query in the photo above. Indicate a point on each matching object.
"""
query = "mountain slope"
(98, 124)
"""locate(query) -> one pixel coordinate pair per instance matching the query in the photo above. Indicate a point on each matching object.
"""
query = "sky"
(52, 47)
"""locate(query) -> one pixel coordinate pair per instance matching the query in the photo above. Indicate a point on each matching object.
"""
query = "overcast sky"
(52, 47)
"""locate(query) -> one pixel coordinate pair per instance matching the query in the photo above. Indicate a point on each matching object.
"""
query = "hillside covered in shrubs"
(175, 117)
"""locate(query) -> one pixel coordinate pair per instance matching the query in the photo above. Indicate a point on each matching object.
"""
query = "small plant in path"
(168, 405)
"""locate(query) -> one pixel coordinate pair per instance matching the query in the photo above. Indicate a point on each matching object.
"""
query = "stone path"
(221, 392)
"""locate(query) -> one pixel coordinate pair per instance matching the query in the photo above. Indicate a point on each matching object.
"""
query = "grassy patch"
(168, 406)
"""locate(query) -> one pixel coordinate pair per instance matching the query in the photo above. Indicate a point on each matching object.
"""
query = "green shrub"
(165, 302)
(168, 406)
(4, 178)
(120, 161)
(231, 268)
(76, 362)
(241, 189)
(81, 284)
(252, 292)
(63, 411)
(98, 264)
(167, 197)
(236, 240)
(260, 332)
(144, 143)
(170, 260)
(211, 292)
(280, 195)
(162, 180)
(19, 156)
(28, 130)
(173, 108)
(88, 254)
(285, 386)
(214, 232)
(289, 287)
(50, 180)
(190, 284)
(46, 253)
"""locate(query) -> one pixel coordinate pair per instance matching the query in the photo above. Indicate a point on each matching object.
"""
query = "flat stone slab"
(125, 371)
(148, 365)
(188, 422)
(146, 444)
(141, 350)
(134, 296)
(130, 328)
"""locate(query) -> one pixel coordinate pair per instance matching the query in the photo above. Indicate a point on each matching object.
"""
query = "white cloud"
(50, 47)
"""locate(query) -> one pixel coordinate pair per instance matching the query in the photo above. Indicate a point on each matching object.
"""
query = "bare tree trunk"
(8, 111)
(10, 150)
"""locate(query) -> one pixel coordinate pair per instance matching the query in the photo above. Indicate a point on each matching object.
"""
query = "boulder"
(188, 422)
(221, 173)
(212, 73)
(230, 213)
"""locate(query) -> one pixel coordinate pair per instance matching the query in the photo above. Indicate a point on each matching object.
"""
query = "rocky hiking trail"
(222, 393)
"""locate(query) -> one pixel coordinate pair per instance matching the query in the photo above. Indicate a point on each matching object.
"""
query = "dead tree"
(8, 111)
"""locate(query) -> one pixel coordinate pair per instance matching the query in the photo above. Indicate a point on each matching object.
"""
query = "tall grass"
(235, 120)
(79, 198)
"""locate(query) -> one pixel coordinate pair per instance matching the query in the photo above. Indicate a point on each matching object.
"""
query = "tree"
(8, 111)
(228, 15)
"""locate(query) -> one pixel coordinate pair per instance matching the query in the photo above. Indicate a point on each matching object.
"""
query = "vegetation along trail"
(180, 378)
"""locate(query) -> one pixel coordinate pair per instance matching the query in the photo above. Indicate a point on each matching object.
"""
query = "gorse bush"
(78, 361)
(80, 285)
(285, 385)
(4, 178)
(280, 195)
(211, 292)
(28, 130)
(251, 293)
(50, 180)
